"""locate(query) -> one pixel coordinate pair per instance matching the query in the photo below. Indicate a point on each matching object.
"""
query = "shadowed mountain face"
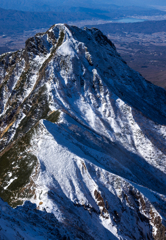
(83, 136)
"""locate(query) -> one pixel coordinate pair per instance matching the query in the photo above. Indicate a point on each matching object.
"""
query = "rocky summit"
(82, 142)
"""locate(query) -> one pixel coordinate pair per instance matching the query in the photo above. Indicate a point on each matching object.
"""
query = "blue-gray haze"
(37, 5)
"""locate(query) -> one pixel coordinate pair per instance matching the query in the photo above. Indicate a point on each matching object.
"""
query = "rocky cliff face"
(83, 136)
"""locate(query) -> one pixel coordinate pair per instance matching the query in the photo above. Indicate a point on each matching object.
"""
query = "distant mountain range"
(55, 5)
(12, 21)
(15, 22)
(50, 5)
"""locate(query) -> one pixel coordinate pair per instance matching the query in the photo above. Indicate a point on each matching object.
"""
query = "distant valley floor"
(142, 45)
(144, 53)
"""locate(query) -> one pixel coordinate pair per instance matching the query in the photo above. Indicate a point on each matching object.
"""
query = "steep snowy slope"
(29, 223)
(83, 136)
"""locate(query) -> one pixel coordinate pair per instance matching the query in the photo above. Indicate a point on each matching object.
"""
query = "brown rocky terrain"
(143, 46)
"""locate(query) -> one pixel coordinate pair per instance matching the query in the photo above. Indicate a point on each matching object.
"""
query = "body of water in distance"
(128, 20)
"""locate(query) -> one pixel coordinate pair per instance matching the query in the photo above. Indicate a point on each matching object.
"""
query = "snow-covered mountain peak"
(83, 136)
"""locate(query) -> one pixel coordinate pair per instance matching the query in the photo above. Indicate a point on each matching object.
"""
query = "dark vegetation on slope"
(53, 117)
(16, 156)
(20, 162)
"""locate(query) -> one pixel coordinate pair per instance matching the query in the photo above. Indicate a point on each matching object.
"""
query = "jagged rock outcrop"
(83, 136)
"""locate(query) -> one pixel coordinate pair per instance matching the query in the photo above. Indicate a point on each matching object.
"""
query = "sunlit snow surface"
(102, 165)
